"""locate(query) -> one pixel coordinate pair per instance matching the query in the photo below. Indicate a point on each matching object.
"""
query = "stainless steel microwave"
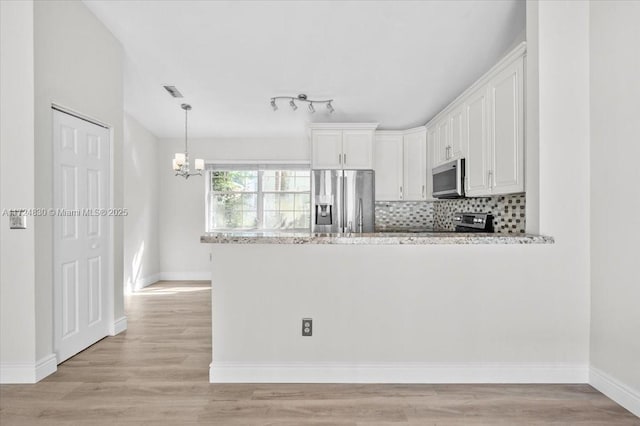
(448, 180)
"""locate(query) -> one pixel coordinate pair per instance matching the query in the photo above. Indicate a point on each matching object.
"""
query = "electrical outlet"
(17, 219)
(307, 326)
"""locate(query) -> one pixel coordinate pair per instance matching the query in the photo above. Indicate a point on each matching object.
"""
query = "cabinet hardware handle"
(344, 156)
(490, 174)
(401, 195)
(339, 158)
(422, 191)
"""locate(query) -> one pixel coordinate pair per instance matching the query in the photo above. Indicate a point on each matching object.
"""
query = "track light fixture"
(302, 98)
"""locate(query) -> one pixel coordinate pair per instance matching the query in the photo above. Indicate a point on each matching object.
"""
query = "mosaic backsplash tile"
(508, 211)
(403, 215)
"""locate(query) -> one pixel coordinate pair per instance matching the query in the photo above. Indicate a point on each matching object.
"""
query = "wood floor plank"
(156, 373)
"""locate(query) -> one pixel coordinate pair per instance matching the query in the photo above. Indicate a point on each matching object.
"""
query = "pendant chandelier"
(302, 98)
(181, 159)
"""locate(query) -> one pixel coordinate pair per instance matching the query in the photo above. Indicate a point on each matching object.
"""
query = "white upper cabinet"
(442, 147)
(432, 148)
(507, 143)
(388, 166)
(458, 138)
(477, 159)
(357, 149)
(415, 165)
(485, 126)
(326, 149)
(401, 165)
(342, 145)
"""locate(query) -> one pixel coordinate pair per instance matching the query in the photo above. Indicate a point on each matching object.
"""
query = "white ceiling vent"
(173, 91)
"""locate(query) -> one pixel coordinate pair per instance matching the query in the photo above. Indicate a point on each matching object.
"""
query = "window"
(260, 198)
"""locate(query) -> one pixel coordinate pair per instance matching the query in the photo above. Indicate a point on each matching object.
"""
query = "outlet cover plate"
(307, 327)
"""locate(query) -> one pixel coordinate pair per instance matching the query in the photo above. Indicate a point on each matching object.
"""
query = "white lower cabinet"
(401, 165)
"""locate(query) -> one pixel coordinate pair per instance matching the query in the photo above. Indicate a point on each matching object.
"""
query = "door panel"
(388, 167)
(507, 130)
(80, 253)
(357, 148)
(415, 169)
(327, 149)
(70, 306)
(477, 159)
(458, 133)
(443, 141)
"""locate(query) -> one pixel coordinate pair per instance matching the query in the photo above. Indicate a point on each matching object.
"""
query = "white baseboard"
(118, 326)
(223, 372)
(11, 373)
(185, 276)
(622, 394)
(146, 281)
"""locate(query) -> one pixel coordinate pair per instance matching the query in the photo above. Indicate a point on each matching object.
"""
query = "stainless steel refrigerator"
(342, 201)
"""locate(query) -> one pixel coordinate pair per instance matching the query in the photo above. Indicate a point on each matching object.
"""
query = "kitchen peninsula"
(396, 308)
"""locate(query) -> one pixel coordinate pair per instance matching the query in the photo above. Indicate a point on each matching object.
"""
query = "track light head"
(273, 104)
(330, 108)
(293, 105)
(311, 108)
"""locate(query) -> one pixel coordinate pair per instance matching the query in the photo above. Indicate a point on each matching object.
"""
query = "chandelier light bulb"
(273, 104)
(330, 108)
(293, 105)
(311, 108)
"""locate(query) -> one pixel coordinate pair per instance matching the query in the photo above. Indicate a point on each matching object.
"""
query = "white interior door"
(81, 166)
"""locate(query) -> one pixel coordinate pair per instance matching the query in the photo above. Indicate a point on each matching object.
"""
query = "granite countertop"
(379, 238)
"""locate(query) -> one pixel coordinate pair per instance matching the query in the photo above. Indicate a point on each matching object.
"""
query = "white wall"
(78, 64)
(182, 204)
(17, 247)
(502, 305)
(615, 150)
(141, 198)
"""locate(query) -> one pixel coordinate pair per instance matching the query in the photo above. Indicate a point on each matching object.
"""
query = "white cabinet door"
(458, 142)
(326, 149)
(507, 145)
(388, 167)
(415, 168)
(477, 159)
(357, 149)
(432, 139)
(443, 141)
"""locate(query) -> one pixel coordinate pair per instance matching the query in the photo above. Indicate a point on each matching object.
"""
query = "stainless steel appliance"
(448, 180)
(473, 222)
(342, 201)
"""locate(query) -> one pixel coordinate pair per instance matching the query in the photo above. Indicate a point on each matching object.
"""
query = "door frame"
(110, 302)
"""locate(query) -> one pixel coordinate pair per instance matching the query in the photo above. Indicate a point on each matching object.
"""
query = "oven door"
(448, 180)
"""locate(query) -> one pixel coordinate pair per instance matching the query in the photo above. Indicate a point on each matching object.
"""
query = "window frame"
(260, 193)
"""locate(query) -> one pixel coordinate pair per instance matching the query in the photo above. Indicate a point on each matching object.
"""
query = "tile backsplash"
(403, 215)
(508, 213)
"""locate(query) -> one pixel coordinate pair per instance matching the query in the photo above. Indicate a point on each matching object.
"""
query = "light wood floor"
(157, 373)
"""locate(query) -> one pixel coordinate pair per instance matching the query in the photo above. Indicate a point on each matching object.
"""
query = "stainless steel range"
(473, 222)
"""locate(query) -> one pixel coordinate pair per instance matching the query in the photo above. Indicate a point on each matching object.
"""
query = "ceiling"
(393, 62)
